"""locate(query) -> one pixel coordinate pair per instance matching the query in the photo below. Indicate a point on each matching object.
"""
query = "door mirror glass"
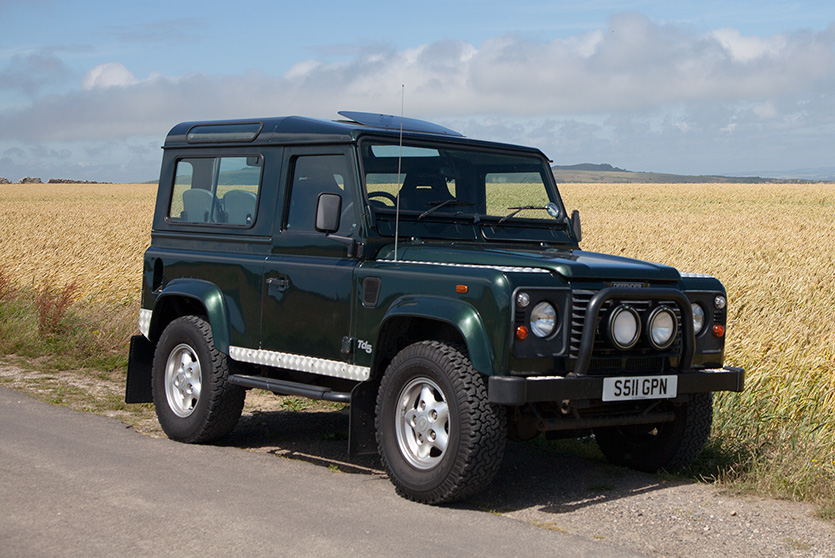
(575, 225)
(328, 210)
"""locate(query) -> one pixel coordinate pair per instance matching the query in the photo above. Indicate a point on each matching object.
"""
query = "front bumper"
(516, 390)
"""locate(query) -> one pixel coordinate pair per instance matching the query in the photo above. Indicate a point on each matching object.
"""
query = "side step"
(290, 388)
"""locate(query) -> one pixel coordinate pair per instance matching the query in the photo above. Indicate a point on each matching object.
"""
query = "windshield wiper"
(517, 210)
(445, 203)
(551, 208)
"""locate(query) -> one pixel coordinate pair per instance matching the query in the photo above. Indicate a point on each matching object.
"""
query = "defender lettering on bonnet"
(433, 282)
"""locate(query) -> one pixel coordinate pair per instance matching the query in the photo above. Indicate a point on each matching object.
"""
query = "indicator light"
(521, 333)
(718, 330)
(461, 289)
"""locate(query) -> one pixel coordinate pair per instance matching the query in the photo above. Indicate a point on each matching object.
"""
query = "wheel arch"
(183, 297)
(423, 318)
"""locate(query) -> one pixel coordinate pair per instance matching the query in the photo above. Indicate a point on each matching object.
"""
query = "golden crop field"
(94, 234)
(772, 245)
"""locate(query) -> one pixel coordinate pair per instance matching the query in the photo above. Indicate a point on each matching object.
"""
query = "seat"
(197, 205)
(423, 190)
(310, 181)
(239, 206)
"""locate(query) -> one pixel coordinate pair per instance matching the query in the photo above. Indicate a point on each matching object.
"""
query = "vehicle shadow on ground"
(552, 478)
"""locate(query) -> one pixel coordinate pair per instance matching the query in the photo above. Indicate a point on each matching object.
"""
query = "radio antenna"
(399, 161)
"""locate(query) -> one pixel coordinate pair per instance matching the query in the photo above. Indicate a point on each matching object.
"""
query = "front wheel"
(668, 445)
(193, 399)
(439, 439)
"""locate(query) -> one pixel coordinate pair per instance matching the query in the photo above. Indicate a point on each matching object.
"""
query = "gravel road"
(557, 491)
(586, 497)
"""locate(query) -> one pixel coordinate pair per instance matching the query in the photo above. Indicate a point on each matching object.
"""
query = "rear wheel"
(669, 445)
(193, 399)
(438, 437)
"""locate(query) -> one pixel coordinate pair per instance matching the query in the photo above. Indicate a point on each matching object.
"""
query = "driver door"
(308, 285)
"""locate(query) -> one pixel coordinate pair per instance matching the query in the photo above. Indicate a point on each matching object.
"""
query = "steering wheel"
(388, 196)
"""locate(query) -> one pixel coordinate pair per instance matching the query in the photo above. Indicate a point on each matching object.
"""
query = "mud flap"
(361, 438)
(140, 360)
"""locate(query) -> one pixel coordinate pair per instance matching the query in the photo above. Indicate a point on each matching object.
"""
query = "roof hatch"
(389, 122)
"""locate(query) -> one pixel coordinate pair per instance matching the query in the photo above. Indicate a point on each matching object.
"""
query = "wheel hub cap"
(182, 380)
(422, 423)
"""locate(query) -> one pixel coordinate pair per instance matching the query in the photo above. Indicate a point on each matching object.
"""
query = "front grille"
(639, 365)
(642, 358)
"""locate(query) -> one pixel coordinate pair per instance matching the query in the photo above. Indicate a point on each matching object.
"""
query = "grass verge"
(773, 439)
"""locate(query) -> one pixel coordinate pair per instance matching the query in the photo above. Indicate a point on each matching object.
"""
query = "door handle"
(282, 282)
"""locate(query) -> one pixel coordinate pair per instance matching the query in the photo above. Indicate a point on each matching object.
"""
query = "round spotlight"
(523, 299)
(543, 319)
(624, 327)
(698, 318)
(720, 302)
(662, 327)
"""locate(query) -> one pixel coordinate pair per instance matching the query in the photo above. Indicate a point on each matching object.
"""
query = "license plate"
(639, 387)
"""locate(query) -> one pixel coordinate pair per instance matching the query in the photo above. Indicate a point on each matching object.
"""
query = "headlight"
(662, 327)
(624, 327)
(698, 318)
(543, 319)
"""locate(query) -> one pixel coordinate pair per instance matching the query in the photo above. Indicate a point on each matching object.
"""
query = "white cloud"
(630, 92)
(111, 74)
(746, 49)
(765, 111)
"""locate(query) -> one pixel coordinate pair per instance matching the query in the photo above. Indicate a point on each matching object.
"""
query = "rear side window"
(216, 190)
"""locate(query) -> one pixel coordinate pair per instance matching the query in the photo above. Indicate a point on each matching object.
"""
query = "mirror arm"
(354, 247)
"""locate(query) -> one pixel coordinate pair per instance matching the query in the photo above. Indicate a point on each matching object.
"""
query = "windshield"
(444, 182)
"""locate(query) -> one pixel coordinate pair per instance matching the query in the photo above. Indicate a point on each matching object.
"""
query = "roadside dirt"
(543, 486)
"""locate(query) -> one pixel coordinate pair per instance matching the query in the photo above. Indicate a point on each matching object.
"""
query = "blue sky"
(89, 89)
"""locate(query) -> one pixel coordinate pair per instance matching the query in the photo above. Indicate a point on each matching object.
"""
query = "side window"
(220, 190)
(314, 175)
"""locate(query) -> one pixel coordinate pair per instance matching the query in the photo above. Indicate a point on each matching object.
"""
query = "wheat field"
(772, 245)
(94, 234)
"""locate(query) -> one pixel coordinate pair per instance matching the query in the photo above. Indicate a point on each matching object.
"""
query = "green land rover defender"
(432, 281)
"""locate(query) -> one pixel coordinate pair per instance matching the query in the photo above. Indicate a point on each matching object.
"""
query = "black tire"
(439, 439)
(193, 399)
(669, 445)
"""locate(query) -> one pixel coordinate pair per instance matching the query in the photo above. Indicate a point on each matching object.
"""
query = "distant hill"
(605, 173)
(603, 167)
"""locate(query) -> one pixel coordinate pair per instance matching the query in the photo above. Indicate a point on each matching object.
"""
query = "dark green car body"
(319, 305)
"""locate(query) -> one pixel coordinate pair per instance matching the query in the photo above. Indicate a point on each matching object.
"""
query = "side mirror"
(328, 212)
(576, 229)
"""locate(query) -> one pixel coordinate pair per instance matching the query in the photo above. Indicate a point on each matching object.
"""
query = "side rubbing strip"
(502, 268)
(301, 363)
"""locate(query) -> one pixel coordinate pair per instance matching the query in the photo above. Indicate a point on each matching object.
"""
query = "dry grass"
(93, 234)
(773, 246)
